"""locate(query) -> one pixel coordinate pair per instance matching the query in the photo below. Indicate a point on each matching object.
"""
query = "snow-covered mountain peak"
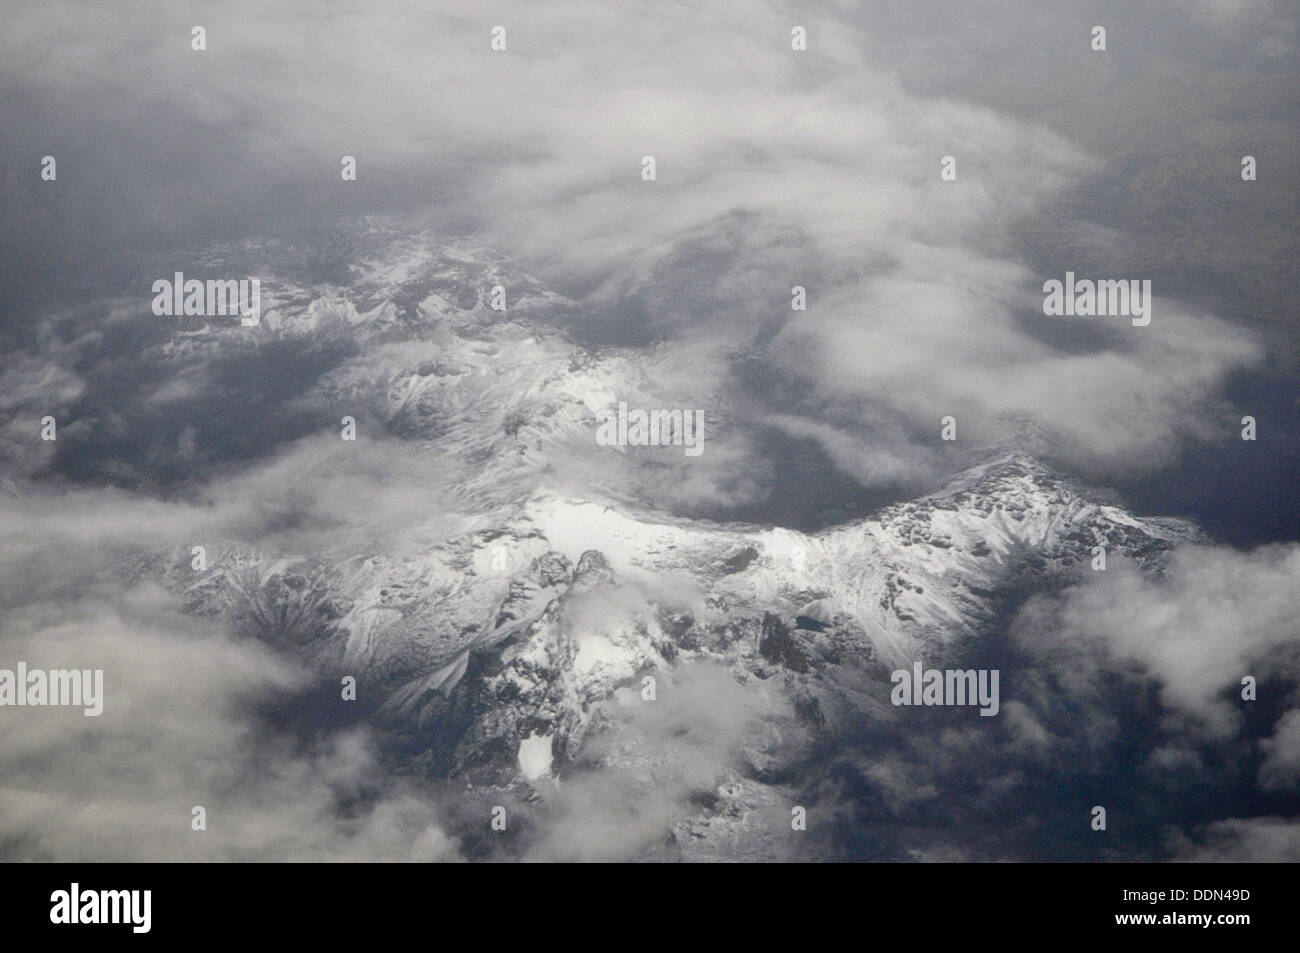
(551, 584)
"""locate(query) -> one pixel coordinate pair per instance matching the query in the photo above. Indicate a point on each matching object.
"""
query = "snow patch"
(535, 756)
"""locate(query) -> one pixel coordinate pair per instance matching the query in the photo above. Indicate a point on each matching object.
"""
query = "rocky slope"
(493, 637)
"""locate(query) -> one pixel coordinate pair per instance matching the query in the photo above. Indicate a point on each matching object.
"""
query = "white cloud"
(1215, 617)
(180, 725)
(916, 310)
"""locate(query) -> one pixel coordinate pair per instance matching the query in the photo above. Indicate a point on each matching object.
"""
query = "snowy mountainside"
(501, 650)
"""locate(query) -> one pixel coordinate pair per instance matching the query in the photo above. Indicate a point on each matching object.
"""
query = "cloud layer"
(774, 168)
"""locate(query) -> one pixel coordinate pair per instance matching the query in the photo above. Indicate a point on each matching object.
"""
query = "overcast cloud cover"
(773, 169)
